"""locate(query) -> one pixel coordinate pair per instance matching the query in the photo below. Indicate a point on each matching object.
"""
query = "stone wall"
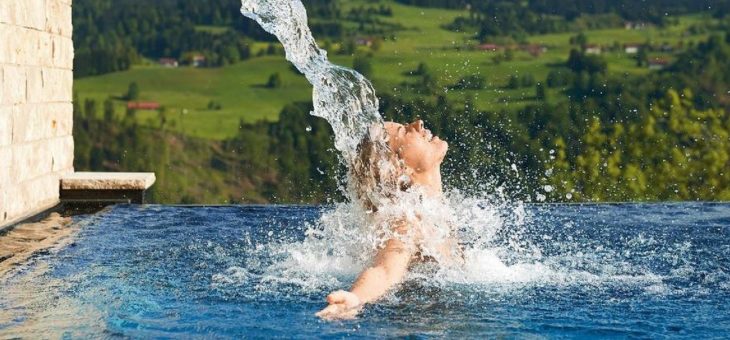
(36, 113)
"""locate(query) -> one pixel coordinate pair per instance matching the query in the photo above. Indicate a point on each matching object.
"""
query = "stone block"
(19, 45)
(57, 85)
(25, 13)
(14, 85)
(4, 215)
(5, 12)
(44, 49)
(8, 203)
(49, 120)
(7, 42)
(34, 15)
(6, 125)
(22, 123)
(62, 153)
(13, 205)
(26, 47)
(58, 18)
(43, 189)
(62, 52)
(32, 122)
(64, 119)
(34, 87)
(11, 12)
(21, 200)
(6, 167)
(31, 160)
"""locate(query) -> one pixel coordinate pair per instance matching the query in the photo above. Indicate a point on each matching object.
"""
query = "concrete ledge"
(108, 181)
(105, 188)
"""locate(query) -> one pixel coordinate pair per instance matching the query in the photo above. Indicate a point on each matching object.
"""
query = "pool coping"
(31, 217)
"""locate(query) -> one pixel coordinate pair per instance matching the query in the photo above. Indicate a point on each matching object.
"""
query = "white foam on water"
(341, 243)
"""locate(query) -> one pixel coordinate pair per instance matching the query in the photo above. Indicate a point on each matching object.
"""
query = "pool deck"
(21, 242)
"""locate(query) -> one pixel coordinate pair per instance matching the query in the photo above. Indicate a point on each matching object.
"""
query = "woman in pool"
(413, 163)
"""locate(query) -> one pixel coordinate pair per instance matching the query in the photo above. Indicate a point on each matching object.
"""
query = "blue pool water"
(654, 270)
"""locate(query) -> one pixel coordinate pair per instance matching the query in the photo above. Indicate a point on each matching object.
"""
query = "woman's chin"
(441, 145)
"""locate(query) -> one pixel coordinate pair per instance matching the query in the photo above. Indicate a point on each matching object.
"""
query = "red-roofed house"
(658, 63)
(490, 47)
(143, 105)
(168, 62)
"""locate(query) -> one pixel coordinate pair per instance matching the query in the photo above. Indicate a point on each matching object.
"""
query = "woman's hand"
(342, 305)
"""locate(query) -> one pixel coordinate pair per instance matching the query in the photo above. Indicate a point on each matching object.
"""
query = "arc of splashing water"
(343, 97)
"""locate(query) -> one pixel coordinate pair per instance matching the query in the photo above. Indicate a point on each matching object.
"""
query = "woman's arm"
(388, 269)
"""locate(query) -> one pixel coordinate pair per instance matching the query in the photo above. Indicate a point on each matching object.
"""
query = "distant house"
(632, 48)
(666, 47)
(635, 25)
(366, 41)
(143, 105)
(658, 63)
(168, 62)
(593, 49)
(198, 60)
(534, 49)
(489, 47)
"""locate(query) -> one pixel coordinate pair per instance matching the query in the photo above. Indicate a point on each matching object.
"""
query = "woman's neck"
(430, 181)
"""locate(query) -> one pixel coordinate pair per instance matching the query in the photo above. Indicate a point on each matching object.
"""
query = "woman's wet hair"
(378, 173)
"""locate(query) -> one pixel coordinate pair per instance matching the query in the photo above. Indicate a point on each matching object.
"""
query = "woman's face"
(416, 146)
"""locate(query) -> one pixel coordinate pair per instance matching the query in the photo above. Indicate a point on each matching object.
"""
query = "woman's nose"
(417, 125)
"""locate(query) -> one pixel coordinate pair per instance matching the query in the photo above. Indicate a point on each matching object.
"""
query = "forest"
(110, 35)
(591, 135)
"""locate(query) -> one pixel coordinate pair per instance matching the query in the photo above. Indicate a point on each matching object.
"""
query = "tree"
(580, 62)
(471, 82)
(514, 82)
(377, 44)
(581, 40)
(540, 91)
(527, 80)
(642, 57)
(274, 81)
(108, 110)
(132, 91)
(271, 49)
(362, 64)
(162, 116)
(675, 152)
(422, 69)
(90, 108)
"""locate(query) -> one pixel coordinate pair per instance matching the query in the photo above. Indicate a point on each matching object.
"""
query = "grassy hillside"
(240, 88)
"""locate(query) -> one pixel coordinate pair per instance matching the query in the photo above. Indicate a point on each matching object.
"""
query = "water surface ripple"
(643, 270)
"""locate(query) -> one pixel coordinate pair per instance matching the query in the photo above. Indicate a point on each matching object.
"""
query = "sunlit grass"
(239, 88)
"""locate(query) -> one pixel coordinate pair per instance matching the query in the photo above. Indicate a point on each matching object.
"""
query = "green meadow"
(241, 92)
